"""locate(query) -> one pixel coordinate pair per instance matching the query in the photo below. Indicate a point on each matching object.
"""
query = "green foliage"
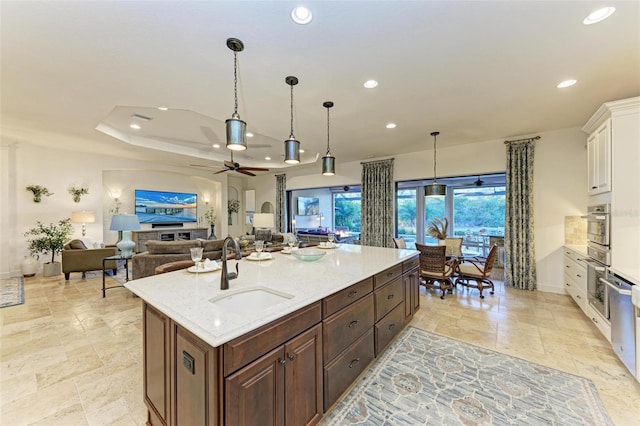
(479, 212)
(76, 193)
(48, 239)
(347, 213)
(38, 192)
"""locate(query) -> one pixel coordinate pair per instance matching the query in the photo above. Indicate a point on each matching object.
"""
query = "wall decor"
(77, 192)
(233, 206)
(38, 192)
(308, 206)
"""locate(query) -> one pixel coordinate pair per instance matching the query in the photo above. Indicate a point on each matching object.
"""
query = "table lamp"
(262, 221)
(83, 217)
(125, 223)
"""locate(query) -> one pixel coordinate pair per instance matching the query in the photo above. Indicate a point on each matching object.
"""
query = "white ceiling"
(475, 71)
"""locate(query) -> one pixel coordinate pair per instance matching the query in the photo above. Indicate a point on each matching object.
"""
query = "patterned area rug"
(425, 378)
(11, 292)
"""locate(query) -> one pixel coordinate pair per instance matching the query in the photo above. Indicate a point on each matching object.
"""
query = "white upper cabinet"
(599, 158)
(617, 124)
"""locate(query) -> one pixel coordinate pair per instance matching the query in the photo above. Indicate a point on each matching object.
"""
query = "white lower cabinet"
(599, 321)
(575, 278)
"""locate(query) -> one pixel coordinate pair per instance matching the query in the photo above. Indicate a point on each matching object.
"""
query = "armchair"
(478, 271)
(435, 268)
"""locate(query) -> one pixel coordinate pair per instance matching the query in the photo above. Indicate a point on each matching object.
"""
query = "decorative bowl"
(307, 254)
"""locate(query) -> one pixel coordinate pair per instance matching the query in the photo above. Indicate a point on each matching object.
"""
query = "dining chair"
(399, 243)
(435, 269)
(475, 273)
(454, 246)
(173, 266)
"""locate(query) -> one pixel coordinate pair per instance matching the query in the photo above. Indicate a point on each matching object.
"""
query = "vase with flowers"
(437, 228)
(233, 206)
(210, 217)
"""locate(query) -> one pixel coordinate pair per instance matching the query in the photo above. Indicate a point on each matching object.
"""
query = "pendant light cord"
(435, 180)
(328, 149)
(235, 82)
(291, 136)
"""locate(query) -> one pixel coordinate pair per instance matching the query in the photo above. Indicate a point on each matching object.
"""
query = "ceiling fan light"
(291, 151)
(435, 190)
(328, 165)
(236, 134)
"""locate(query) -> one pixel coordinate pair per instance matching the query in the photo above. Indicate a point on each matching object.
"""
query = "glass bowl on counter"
(307, 254)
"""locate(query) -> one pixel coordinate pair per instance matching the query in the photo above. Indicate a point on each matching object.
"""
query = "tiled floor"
(70, 357)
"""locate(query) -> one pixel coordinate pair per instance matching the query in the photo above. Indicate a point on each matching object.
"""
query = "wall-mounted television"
(308, 206)
(166, 206)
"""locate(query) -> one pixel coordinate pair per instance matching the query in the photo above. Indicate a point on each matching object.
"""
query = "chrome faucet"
(226, 276)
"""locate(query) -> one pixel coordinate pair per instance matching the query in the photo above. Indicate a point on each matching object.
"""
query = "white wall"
(24, 164)
(559, 185)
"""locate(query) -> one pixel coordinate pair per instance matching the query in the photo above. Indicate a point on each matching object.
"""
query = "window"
(346, 211)
(478, 214)
(406, 207)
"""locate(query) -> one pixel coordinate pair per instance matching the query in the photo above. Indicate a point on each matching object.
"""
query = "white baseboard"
(551, 289)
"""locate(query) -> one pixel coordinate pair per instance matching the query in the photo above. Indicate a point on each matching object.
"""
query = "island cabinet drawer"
(408, 265)
(341, 372)
(337, 301)
(244, 349)
(342, 329)
(386, 329)
(388, 297)
(387, 275)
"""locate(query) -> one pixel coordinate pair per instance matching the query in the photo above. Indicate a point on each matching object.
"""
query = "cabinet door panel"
(341, 329)
(388, 297)
(156, 362)
(387, 329)
(254, 395)
(303, 378)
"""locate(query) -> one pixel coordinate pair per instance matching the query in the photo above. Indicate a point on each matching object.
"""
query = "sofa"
(160, 252)
(77, 257)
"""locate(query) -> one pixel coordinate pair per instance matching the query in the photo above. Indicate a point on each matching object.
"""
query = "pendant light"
(236, 128)
(291, 145)
(435, 189)
(328, 161)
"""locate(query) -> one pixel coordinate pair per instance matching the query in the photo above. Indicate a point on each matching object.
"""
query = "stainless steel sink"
(249, 299)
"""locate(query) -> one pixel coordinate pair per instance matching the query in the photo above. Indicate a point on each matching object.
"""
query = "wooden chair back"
(173, 266)
(432, 258)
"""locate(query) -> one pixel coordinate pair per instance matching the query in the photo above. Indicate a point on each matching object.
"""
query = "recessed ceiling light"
(216, 145)
(135, 126)
(267, 158)
(566, 83)
(370, 84)
(301, 151)
(163, 108)
(391, 125)
(301, 15)
(249, 134)
(599, 15)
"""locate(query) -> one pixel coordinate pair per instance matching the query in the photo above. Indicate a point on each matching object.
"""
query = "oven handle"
(616, 288)
(594, 264)
(596, 217)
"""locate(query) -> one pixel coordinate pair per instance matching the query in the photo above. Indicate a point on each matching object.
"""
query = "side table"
(104, 271)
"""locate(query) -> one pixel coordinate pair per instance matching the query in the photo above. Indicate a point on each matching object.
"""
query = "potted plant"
(437, 228)
(38, 192)
(210, 216)
(49, 239)
(233, 206)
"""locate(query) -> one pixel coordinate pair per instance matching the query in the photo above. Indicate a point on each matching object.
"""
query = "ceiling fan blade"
(204, 165)
(244, 172)
(221, 171)
(229, 164)
(255, 169)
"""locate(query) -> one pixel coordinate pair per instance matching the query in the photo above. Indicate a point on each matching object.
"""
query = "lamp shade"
(291, 151)
(236, 134)
(435, 190)
(124, 222)
(328, 165)
(263, 220)
(83, 217)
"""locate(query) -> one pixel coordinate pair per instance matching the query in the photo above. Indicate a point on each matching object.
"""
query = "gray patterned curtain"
(377, 203)
(519, 243)
(281, 187)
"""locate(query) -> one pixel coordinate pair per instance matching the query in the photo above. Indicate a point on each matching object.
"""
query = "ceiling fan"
(231, 166)
(477, 182)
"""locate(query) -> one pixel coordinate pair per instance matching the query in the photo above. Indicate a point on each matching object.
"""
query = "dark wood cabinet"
(344, 327)
(388, 327)
(411, 283)
(283, 387)
(388, 297)
(157, 371)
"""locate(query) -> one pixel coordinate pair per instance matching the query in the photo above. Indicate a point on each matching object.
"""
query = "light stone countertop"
(184, 296)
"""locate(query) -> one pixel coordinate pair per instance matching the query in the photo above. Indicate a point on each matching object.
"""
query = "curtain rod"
(523, 140)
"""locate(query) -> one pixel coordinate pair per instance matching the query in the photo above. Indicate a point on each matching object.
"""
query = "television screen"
(165, 206)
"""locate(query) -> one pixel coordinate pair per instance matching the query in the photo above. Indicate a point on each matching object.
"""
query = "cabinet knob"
(578, 296)
(578, 275)
(391, 296)
(290, 357)
(354, 362)
(594, 187)
(392, 326)
(353, 323)
(353, 293)
(567, 284)
(282, 361)
(594, 320)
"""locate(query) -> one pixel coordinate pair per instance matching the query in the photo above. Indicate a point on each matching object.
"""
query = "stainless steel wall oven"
(598, 248)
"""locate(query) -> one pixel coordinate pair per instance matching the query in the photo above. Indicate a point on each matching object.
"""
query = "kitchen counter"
(184, 296)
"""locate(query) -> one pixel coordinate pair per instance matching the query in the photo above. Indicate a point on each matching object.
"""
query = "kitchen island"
(307, 331)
